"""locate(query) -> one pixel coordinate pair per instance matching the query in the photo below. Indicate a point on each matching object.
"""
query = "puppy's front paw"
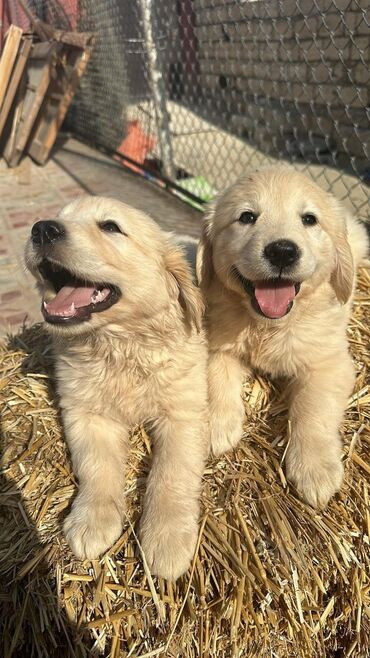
(90, 529)
(226, 430)
(316, 478)
(169, 548)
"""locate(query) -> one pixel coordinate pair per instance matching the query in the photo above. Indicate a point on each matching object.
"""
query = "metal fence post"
(158, 90)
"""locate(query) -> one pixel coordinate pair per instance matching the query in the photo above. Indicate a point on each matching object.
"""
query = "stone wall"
(295, 73)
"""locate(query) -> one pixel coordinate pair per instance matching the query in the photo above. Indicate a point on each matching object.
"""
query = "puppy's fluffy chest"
(283, 348)
(121, 379)
(278, 351)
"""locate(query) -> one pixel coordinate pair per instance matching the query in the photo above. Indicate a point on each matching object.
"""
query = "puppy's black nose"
(47, 232)
(282, 253)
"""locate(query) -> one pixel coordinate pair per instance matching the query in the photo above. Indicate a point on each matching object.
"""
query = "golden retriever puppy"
(276, 263)
(125, 316)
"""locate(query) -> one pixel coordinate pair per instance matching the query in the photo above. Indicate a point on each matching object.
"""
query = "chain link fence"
(201, 91)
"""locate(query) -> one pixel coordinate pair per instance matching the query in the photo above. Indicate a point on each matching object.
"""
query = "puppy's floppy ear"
(342, 278)
(204, 262)
(182, 287)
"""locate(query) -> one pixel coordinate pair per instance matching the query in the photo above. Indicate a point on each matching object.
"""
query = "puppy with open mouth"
(125, 316)
(276, 264)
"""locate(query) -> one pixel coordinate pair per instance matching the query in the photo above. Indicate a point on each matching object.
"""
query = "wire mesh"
(205, 90)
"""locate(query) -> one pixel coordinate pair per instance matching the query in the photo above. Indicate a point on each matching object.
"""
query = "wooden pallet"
(15, 80)
(8, 57)
(71, 64)
(31, 93)
(39, 75)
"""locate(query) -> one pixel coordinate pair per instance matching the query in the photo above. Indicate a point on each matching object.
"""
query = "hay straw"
(271, 576)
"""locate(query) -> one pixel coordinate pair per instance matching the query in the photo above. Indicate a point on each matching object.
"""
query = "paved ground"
(30, 192)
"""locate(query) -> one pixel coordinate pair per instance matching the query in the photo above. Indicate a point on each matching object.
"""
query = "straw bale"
(271, 576)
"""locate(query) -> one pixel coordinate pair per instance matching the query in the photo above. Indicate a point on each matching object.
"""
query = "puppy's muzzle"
(46, 232)
(282, 253)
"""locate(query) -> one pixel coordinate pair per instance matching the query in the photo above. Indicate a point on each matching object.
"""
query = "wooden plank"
(8, 58)
(60, 94)
(39, 70)
(78, 39)
(18, 71)
(47, 32)
(43, 30)
(18, 108)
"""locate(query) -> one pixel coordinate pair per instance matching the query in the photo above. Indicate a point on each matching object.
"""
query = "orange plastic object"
(136, 145)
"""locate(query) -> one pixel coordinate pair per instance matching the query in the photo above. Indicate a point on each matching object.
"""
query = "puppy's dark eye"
(109, 227)
(248, 217)
(309, 219)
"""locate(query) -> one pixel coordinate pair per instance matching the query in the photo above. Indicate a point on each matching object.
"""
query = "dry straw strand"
(271, 576)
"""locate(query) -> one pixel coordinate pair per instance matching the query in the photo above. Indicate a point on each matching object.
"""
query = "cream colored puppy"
(277, 264)
(125, 316)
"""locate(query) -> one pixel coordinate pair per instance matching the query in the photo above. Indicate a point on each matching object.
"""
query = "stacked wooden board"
(39, 74)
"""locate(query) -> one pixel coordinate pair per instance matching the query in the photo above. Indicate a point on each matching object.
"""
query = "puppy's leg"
(98, 449)
(226, 408)
(169, 525)
(313, 460)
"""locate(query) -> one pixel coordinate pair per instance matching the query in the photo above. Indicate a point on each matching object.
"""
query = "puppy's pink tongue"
(69, 298)
(274, 297)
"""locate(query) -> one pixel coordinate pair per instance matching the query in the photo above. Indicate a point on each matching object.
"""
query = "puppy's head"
(101, 262)
(273, 237)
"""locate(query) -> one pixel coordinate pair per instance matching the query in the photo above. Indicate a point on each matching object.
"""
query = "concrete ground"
(30, 192)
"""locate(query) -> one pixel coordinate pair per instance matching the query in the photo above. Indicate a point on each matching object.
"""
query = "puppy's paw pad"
(316, 482)
(91, 530)
(168, 551)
